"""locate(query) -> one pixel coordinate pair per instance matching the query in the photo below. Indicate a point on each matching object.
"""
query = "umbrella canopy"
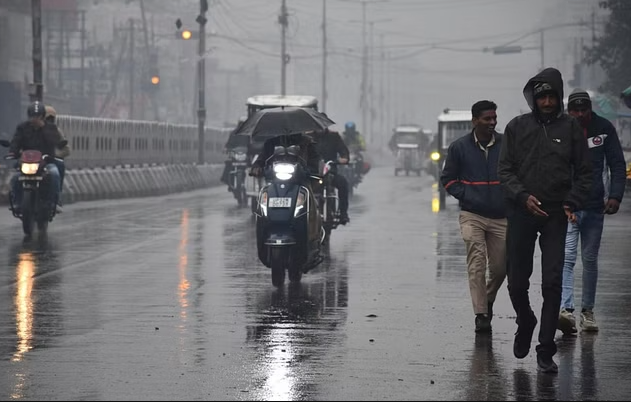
(283, 120)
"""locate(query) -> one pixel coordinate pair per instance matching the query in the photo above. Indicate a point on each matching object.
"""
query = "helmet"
(350, 126)
(36, 109)
(50, 113)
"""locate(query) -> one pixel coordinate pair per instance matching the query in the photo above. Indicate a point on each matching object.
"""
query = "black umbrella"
(282, 121)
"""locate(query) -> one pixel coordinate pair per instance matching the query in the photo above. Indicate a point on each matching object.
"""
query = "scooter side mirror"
(5, 143)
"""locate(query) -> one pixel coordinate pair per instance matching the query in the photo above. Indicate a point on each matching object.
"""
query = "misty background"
(424, 55)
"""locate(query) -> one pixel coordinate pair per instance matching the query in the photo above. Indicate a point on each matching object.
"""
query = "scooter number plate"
(279, 202)
(239, 163)
(23, 178)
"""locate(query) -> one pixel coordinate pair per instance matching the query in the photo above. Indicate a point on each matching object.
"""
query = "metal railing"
(96, 142)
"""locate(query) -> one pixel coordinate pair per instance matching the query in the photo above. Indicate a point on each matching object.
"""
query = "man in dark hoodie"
(609, 180)
(546, 173)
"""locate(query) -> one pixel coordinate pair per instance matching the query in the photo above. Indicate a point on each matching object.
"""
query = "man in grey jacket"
(546, 173)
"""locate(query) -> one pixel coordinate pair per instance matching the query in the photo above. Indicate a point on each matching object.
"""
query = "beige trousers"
(485, 240)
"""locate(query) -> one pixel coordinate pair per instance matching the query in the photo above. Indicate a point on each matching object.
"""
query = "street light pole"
(201, 82)
(324, 55)
(37, 92)
(283, 20)
(364, 79)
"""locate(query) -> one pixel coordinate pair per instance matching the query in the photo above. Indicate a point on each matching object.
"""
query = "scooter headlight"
(284, 171)
(240, 156)
(29, 168)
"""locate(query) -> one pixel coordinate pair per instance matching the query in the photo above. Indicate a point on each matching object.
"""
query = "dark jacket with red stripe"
(471, 177)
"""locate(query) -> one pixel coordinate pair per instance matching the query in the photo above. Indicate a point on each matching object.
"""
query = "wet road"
(164, 299)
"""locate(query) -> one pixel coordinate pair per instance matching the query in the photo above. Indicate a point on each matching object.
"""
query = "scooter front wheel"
(278, 263)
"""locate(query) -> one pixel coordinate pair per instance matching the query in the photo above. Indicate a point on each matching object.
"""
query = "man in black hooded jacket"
(545, 170)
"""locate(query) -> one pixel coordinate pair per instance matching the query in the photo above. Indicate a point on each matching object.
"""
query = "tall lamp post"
(37, 90)
(201, 71)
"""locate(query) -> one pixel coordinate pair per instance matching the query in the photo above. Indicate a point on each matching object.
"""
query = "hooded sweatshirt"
(545, 155)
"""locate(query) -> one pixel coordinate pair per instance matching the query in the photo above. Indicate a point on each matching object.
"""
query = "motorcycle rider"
(60, 154)
(308, 151)
(355, 143)
(353, 139)
(233, 142)
(35, 134)
(332, 147)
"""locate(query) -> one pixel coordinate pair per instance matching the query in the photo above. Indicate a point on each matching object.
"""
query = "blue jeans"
(54, 180)
(61, 166)
(589, 227)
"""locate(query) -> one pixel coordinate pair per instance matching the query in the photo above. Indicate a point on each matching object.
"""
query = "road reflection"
(37, 304)
(487, 381)
(450, 249)
(295, 326)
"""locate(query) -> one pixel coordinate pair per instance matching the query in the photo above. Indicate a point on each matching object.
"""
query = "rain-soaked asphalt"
(164, 299)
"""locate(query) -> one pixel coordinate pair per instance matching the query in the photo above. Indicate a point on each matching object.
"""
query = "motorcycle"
(328, 200)
(239, 165)
(352, 171)
(289, 231)
(36, 206)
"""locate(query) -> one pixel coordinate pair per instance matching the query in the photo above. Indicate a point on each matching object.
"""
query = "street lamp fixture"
(186, 34)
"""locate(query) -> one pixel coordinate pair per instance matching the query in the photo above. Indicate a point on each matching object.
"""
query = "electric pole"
(201, 81)
(37, 92)
(364, 89)
(132, 68)
(364, 102)
(324, 56)
(148, 52)
(283, 20)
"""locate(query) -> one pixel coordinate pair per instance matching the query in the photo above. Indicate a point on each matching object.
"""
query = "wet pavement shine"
(164, 299)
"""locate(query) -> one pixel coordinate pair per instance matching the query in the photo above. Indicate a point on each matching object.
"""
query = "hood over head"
(548, 80)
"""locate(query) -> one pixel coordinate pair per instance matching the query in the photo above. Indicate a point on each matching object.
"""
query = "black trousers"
(521, 237)
(341, 184)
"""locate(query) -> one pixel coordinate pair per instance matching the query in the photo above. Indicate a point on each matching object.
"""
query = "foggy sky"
(422, 80)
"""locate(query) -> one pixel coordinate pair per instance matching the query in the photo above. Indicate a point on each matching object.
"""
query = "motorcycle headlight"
(240, 156)
(29, 168)
(284, 171)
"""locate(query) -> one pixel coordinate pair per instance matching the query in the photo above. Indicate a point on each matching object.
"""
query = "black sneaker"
(482, 323)
(344, 219)
(545, 364)
(523, 337)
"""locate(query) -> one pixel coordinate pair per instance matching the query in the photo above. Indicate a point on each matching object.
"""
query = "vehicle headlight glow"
(284, 171)
(30, 168)
(435, 156)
